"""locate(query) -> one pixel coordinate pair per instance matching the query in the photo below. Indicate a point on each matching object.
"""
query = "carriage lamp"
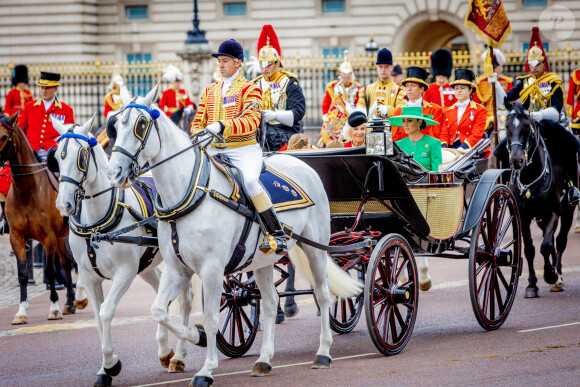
(379, 140)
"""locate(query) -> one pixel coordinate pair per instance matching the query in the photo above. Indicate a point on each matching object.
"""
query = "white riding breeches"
(248, 159)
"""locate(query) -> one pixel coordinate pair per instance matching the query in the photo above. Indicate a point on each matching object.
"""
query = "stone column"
(197, 64)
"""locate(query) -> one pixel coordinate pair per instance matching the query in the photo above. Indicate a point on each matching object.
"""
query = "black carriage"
(461, 213)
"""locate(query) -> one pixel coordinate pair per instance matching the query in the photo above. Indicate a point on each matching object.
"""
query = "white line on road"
(247, 372)
(549, 327)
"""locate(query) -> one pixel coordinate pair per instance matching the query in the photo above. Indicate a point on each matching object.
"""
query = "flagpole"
(494, 105)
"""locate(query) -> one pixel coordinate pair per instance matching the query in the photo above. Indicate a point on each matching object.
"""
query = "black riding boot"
(573, 196)
(276, 240)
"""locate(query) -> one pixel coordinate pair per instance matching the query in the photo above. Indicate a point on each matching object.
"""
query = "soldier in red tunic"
(573, 101)
(19, 95)
(34, 119)
(440, 92)
(175, 100)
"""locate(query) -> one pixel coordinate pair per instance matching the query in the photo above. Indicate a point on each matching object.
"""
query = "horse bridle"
(4, 159)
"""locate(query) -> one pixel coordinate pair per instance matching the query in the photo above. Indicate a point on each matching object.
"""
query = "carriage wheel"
(495, 259)
(345, 313)
(239, 315)
(390, 304)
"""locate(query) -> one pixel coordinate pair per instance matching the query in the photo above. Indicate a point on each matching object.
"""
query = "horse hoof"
(321, 362)
(201, 381)
(202, 336)
(550, 275)
(261, 369)
(425, 286)
(165, 360)
(557, 287)
(54, 315)
(291, 311)
(176, 366)
(103, 381)
(69, 309)
(114, 370)
(81, 304)
(280, 318)
(19, 320)
(531, 293)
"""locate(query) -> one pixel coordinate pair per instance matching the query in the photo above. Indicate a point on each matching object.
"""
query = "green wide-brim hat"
(415, 112)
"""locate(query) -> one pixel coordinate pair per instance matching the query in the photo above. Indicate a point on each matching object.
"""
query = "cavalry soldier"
(464, 123)
(34, 119)
(231, 107)
(19, 95)
(283, 102)
(339, 101)
(542, 94)
(384, 95)
(415, 85)
(440, 92)
(175, 99)
(483, 91)
(113, 101)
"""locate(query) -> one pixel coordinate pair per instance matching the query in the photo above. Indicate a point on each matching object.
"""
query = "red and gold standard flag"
(489, 20)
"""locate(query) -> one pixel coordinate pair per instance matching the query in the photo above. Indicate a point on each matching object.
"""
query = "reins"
(3, 162)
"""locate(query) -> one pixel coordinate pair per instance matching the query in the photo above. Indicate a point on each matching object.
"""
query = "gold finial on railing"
(97, 62)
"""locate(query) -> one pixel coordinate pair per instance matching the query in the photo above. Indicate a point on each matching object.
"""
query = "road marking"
(248, 372)
(549, 327)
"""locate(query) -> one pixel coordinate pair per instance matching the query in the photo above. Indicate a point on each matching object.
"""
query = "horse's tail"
(342, 285)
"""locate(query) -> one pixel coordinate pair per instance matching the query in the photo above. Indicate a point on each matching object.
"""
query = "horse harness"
(3, 158)
(527, 189)
(116, 205)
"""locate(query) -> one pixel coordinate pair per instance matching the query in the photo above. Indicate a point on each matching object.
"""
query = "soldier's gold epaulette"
(506, 78)
(257, 78)
(479, 79)
(289, 74)
(550, 77)
(522, 77)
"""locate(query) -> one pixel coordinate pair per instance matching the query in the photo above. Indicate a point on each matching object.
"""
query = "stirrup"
(573, 196)
(275, 243)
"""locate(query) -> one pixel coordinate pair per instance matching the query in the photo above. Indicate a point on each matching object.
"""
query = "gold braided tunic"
(383, 93)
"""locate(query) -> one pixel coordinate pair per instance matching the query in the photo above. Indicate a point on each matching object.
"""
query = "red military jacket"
(443, 96)
(34, 121)
(16, 99)
(470, 129)
(573, 100)
(172, 100)
(429, 109)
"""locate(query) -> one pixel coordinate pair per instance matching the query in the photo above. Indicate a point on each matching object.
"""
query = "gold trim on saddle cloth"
(293, 204)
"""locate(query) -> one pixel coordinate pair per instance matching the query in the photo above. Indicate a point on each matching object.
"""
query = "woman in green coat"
(426, 150)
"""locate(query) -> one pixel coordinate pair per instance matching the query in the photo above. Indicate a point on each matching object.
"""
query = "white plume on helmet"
(172, 74)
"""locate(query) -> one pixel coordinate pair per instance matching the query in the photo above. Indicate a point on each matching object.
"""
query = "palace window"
(534, 3)
(139, 80)
(136, 12)
(333, 6)
(235, 9)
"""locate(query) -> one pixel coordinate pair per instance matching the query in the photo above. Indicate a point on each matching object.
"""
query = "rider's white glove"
(268, 115)
(492, 79)
(537, 116)
(215, 128)
(372, 110)
(383, 110)
(188, 109)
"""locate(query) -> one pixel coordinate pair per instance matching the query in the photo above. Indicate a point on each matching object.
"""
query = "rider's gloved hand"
(188, 109)
(492, 79)
(537, 116)
(268, 115)
(215, 128)
(383, 110)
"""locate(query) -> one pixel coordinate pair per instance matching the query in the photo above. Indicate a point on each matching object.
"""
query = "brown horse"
(31, 213)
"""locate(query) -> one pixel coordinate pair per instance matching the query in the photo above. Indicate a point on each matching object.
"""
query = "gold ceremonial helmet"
(345, 67)
(535, 55)
(268, 55)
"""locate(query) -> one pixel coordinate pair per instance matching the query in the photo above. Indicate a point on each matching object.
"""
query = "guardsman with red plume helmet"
(19, 95)
(440, 92)
(384, 95)
(542, 94)
(283, 102)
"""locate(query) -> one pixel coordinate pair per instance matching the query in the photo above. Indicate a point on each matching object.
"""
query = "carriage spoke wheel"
(495, 259)
(345, 312)
(391, 294)
(239, 315)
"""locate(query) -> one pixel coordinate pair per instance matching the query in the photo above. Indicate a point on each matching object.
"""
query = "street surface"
(539, 344)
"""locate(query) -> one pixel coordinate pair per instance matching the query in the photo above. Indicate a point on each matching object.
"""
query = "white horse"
(82, 164)
(206, 237)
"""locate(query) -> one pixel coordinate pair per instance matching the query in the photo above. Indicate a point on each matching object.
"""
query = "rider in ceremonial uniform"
(283, 102)
(34, 119)
(464, 123)
(113, 101)
(483, 91)
(542, 94)
(19, 95)
(384, 95)
(440, 92)
(339, 101)
(573, 101)
(232, 107)
(174, 99)
(415, 85)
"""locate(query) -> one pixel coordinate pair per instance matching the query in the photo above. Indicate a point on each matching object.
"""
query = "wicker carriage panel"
(442, 208)
(349, 207)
